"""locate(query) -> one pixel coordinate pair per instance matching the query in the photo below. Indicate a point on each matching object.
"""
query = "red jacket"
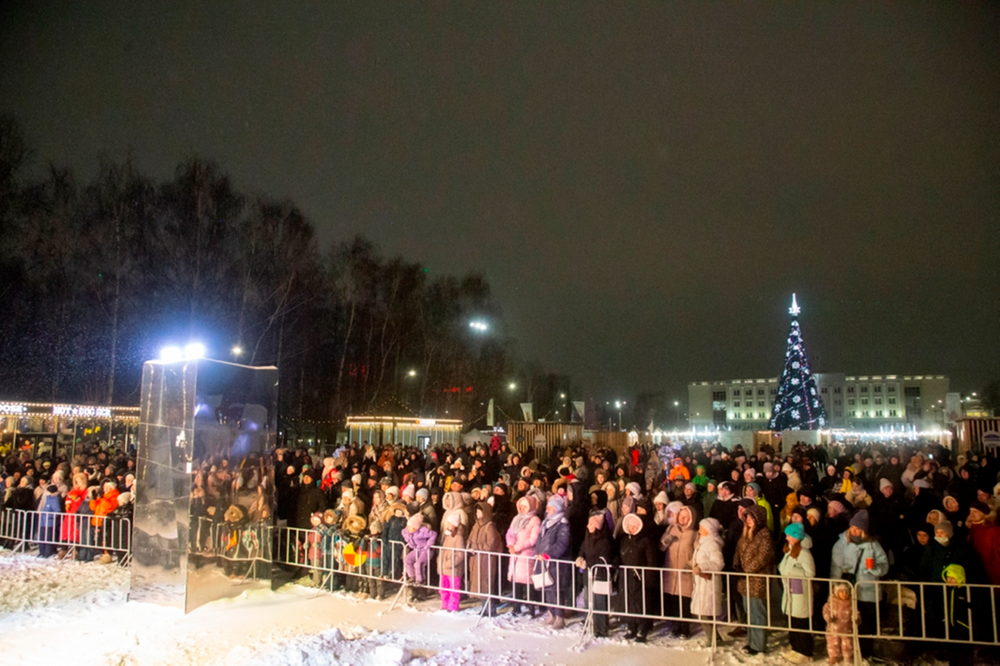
(985, 540)
(74, 500)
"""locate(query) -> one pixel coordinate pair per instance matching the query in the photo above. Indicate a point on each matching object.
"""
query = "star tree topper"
(795, 309)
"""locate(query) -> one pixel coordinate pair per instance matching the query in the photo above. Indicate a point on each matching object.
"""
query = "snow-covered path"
(81, 608)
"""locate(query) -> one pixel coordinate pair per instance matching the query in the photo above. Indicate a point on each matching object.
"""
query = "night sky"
(644, 185)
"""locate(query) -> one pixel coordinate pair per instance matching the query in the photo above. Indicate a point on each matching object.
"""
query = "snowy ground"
(82, 609)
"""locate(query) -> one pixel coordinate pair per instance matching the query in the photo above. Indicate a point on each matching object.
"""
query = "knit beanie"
(796, 531)
(415, 521)
(860, 520)
(981, 507)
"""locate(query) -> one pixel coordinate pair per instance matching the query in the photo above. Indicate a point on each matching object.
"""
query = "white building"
(862, 402)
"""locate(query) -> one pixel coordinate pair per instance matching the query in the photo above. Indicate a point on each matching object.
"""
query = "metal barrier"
(336, 555)
(906, 614)
(656, 594)
(82, 534)
(955, 613)
(12, 528)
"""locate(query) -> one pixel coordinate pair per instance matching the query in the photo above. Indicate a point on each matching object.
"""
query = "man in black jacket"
(311, 500)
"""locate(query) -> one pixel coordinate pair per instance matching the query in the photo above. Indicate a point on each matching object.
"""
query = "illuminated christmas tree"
(798, 405)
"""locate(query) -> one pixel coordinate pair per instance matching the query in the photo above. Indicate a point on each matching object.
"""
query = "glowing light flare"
(194, 350)
(171, 354)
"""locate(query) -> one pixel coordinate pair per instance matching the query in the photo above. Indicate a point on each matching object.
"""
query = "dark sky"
(644, 184)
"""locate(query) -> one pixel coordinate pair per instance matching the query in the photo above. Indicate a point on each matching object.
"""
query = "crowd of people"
(687, 535)
(80, 504)
(715, 540)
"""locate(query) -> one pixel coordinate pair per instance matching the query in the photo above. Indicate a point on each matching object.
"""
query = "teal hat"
(796, 531)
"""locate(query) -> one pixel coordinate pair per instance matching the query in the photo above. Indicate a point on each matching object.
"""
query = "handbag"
(540, 580)
(602, 586)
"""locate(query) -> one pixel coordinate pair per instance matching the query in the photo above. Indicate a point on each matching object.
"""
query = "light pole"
(618, 406)
(677, 413)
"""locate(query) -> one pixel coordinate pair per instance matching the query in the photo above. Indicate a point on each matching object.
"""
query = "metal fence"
(334, 557)
(903, 615)
(81, 536)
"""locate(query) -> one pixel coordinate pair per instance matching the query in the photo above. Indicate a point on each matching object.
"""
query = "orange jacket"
(679, 471)
(102, 506)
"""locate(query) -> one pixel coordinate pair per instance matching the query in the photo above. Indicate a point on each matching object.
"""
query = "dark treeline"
(96, 277)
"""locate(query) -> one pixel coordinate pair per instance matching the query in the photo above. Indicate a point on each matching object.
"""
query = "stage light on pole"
(479, 325)
(171, 354)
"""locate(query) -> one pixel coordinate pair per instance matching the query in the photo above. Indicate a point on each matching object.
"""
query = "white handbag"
(603, 586)
(540, 580)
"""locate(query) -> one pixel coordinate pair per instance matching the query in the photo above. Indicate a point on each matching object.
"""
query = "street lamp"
(512, 386)
(618, 406)
(237, 351)
(677, 412)
(411, 373)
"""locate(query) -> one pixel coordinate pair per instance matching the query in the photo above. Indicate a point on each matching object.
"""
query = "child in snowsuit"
(392, 541)
(330, 545)
(373, 567)
(352, 554)
(840, 620)
(314, 538)
(416, 563)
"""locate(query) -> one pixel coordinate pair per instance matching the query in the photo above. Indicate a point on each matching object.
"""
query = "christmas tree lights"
(798, 405)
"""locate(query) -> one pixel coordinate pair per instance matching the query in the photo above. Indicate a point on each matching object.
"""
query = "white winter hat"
(632, 524)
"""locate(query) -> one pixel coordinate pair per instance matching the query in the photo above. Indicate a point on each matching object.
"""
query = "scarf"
(553, 519)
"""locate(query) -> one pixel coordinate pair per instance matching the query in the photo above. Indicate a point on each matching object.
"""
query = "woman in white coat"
(707, 561)
(797, 569)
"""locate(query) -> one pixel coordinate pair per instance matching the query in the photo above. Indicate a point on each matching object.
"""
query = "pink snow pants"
(839, 645)
(450, 592)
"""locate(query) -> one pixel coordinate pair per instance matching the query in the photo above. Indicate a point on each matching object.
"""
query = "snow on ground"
(82, 608)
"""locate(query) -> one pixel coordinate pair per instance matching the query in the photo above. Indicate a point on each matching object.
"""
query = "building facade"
(852, 402)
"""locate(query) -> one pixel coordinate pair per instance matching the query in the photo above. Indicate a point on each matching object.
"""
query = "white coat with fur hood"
(706, 596)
